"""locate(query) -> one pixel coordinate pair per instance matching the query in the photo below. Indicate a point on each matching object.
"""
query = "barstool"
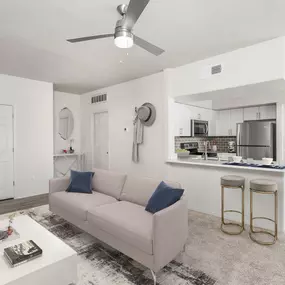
(263, 186)
(232, 181)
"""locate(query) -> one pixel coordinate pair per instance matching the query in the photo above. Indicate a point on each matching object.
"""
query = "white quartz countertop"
(216, 163)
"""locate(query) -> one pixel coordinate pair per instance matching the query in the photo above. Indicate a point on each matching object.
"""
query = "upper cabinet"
(251, 114)
(266, 112)
(223, 123)
(183, 114)
(227, 121)
(236, 116)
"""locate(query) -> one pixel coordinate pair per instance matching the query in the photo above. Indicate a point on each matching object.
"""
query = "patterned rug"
(102, 265)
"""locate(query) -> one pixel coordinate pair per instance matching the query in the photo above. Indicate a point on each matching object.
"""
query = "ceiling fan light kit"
(123, 36)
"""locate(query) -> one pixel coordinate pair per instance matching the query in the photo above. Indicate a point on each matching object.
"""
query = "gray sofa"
(115, 213)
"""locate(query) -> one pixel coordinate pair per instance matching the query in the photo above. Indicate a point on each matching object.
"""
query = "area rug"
(102, 265)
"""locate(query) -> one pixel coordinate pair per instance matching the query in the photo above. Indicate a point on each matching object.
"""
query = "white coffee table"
(57, 265)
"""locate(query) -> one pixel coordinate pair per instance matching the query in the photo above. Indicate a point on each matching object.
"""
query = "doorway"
(101, 141)
(6, 153)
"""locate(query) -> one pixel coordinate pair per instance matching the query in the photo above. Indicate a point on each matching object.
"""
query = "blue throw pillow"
(163, 197)
(80, 182)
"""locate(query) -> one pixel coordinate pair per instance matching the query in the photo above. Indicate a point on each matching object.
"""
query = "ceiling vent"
(99, 98)
(216, 69)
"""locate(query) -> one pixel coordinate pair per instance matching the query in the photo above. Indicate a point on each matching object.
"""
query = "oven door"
(199, 128)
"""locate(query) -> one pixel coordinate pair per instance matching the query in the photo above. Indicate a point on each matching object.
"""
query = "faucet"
(206, 149)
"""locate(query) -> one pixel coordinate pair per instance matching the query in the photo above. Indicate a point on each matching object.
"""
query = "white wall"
(250, 65)
(72, 102)
(33, 132)
(122, 100)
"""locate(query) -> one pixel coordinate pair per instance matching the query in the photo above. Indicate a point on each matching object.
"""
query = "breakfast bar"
(201, 178)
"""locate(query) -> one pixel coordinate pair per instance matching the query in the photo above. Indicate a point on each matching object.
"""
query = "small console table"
(76, 160)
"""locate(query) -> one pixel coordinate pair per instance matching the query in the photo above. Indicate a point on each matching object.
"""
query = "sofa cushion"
(78, 204)
(108, 182)
(126, 221)
(80, 182)
(163, 197)
(139, 190)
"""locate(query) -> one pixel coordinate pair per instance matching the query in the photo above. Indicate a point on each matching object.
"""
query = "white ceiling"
(33, 33)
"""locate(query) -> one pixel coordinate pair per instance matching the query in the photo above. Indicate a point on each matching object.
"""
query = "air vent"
(216, 69)
(99, 98)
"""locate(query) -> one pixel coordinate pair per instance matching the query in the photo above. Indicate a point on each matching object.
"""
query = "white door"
(223, 123)
(101, 141)
(6, 152)
(236, 117)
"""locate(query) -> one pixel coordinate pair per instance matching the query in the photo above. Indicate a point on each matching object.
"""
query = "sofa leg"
(154, 277)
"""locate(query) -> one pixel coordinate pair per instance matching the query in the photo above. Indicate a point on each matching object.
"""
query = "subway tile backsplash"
(221, 142)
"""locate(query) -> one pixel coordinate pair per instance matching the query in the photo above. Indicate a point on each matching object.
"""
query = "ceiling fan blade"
(148, 46)
(135, 8)
(77, 40)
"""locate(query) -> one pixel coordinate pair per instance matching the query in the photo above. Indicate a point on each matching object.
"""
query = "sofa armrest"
(170, 232)
(58, 184)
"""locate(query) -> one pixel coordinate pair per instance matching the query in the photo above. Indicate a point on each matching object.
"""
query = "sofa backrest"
(138, 190)
(108, 182)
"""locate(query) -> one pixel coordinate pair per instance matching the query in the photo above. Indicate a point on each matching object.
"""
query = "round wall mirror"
(66, 123)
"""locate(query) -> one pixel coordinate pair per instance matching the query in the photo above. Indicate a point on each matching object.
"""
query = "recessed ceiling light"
(121, 61)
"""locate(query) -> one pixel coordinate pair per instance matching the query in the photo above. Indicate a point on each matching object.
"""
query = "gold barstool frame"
(223, 223)
(275, 221)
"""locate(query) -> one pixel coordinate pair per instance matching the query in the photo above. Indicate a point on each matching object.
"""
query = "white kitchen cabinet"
(251, 113)
(227, 121)
(183, 114)
(181, 117)
(236, 117)
(267, 112)
(223, 123)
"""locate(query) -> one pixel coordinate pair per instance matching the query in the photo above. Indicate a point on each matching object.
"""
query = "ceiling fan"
(123, 36)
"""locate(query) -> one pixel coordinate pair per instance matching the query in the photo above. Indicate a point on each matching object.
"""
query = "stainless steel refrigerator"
(256, 139)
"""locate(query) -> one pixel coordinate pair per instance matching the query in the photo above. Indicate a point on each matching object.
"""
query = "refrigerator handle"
(238, 134)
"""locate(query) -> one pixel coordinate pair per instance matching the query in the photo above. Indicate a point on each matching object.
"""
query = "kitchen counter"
(216, 163)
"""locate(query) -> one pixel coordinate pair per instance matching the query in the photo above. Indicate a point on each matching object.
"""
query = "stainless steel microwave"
(199, 128)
